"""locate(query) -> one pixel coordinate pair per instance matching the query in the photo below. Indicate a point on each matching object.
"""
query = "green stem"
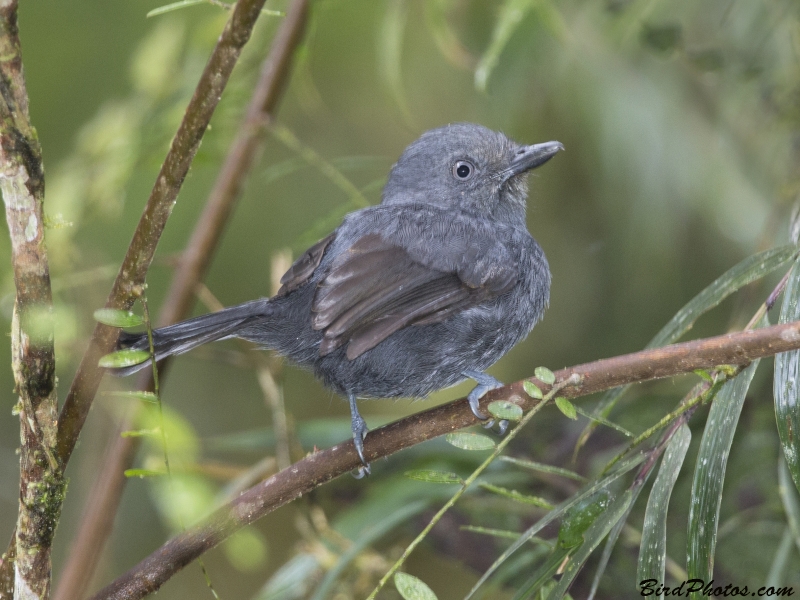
(574, 379)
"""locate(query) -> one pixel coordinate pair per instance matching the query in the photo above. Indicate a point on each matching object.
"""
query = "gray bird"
(419, 293)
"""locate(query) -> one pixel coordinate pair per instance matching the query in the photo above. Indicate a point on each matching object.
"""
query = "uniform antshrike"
(427, 289)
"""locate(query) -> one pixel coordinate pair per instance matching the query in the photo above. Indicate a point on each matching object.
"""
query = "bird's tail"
(186, 335)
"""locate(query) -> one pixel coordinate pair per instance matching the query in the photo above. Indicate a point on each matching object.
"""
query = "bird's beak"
(530, 157)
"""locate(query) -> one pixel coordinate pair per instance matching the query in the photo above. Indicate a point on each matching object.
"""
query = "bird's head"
(468, 166)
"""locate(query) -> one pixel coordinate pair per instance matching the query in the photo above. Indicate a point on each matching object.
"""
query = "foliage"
(668, 213)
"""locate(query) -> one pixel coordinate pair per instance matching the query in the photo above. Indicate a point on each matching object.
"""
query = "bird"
(427, 289)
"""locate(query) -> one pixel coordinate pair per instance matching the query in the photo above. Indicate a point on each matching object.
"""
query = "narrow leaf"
(749, 270)
(511, 13)
(601, 421)
(390, 53)
(517, 496)
(532, 390)
(777, 571)
(786, 383)
(136, 395)
(366, 538)
(620, 469)
(790, 500)
(503, 409)
(412, 588)
(133, 433)
(591, 539)
(123, 358)
(142, 473)
(566, 407)
(433, 476)
(470, 441)
(653, 548)
(709, 475)
(542, 468)
(173, 6)
(117, 318)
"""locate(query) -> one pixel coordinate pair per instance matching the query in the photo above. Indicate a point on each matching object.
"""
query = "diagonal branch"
(98, 516)
(159, 206)
(319, 468)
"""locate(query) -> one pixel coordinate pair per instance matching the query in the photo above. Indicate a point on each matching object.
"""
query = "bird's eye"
(463, 169)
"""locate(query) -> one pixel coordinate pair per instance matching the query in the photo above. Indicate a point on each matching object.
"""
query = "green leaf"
(117, 318)
(470, 441)
(503, 409)
(591, 539)
(135, 394)
(602, 421)
(709, 475)
(511, 14)
(433, 476)
(580, 517)
(662, 38)
(133, 433)
(532, 390)
(790, 500)
(747, 271)
(173, 6)
(366, 538)
(777, 571)
(412, 588)
(544, 375)
(390, 53)
(653, 547)
(786, 383)
(542, 468)
(142, 473)
(516, 496)
(566, 407)
(123, 358)
(620, 469)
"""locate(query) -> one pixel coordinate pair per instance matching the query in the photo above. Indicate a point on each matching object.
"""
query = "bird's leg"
(359, 429)
(485, 383)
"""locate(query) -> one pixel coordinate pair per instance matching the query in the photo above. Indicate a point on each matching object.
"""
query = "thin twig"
(321, 467)
(98, 517)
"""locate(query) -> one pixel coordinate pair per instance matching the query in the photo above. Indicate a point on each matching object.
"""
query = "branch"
(159, 206)
(32, 356)
(319, 468)
(98, 515)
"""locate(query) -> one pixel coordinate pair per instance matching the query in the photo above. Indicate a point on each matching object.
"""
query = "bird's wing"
(302, 269)
(414, 274)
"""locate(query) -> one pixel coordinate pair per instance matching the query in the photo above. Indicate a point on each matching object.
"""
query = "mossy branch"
(32, 355)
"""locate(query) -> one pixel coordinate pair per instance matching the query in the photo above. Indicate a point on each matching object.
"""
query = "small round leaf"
(532, 390)
(123, 358)
(566, 407)
(117, 318)
(544, 375)
(503, 409)
(412, 588)
(470, 441)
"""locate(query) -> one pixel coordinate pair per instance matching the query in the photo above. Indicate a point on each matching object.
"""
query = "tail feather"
(186, 335)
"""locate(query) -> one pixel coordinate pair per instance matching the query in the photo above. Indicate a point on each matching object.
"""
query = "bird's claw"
(360, 430)
(485, 383)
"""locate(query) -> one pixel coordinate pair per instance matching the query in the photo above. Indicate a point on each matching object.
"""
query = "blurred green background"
(680, 122)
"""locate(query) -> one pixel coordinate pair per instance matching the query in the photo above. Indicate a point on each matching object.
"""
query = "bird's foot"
(359, 428)
(485, 383)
